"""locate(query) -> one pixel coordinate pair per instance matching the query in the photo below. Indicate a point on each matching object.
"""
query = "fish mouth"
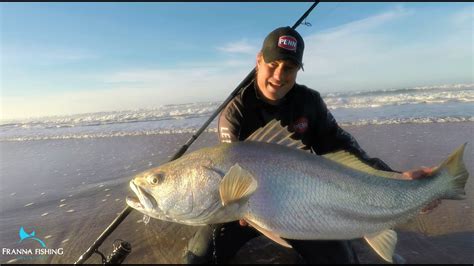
(143, 201)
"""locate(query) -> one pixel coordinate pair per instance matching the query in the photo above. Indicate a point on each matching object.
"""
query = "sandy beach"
(70, 190)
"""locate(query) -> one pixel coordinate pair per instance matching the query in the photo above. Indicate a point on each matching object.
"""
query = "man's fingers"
(418, 173)
(430, 206)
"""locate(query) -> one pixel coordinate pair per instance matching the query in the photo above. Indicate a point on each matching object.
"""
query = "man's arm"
(334, 138)
(228, 124)
(348, 142)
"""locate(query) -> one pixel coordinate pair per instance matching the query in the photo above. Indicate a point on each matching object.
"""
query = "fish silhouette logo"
(24, 236)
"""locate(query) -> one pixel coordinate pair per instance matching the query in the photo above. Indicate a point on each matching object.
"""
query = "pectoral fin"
(269, 234)
(237, 184)
(383, 243)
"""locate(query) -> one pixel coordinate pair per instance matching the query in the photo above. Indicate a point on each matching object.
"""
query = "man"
(275, 95)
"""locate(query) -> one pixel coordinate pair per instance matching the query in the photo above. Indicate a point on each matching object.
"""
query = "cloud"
(156, 75)
(239, 47)
(464, 17)
(135, 88)
(342, 48)
(131, 90)
(372, 53)
(378, 53)
(43, 56)
(364, 25)
(186, 73)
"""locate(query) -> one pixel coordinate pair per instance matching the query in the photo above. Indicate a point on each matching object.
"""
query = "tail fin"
(457, 172)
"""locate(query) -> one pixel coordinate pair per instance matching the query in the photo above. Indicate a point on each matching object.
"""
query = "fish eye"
(156, 179)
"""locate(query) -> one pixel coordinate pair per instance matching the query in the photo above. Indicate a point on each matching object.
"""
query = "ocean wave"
(445, 87)
(429, 104)
(399, 98)
(107, 134)
(167, 112)
(418, 120)
(462, 93)
(192, 130)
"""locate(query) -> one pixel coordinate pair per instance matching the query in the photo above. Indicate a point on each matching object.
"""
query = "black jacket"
(302, 110)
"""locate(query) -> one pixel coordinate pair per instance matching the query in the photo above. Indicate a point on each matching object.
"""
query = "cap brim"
(269, 59)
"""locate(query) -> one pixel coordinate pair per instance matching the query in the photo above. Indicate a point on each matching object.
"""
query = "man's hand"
(418, 173)
(428, 208)
(242, 222)
(423, 172)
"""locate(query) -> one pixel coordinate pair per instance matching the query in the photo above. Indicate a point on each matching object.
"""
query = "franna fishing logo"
(31, 253)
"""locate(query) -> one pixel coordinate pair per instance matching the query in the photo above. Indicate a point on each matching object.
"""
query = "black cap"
(282, 44)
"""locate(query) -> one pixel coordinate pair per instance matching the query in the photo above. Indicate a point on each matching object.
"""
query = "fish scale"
(313, 184)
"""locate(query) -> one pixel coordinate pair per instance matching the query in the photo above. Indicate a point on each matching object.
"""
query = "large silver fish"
(288, 193)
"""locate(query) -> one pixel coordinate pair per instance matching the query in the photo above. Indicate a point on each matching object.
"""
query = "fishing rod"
(121, 252)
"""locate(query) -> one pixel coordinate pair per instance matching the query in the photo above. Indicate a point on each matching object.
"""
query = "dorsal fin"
(273, 132)
(349, 160)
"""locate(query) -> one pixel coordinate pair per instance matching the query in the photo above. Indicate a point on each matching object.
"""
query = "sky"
(68, 58)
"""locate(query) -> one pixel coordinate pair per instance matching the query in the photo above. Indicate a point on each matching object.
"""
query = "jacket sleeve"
(334, 138)
(229, 123)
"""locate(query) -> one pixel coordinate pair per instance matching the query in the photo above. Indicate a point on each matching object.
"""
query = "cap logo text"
(287, 42)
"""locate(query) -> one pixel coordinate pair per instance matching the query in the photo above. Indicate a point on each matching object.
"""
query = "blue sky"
(66, 58)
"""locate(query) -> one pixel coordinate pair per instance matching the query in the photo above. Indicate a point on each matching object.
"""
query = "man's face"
(275, 79)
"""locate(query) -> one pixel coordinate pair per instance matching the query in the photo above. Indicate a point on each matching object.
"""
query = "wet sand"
(77, 187)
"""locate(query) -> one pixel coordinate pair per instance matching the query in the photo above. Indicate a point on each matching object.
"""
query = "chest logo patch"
(301, 125)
